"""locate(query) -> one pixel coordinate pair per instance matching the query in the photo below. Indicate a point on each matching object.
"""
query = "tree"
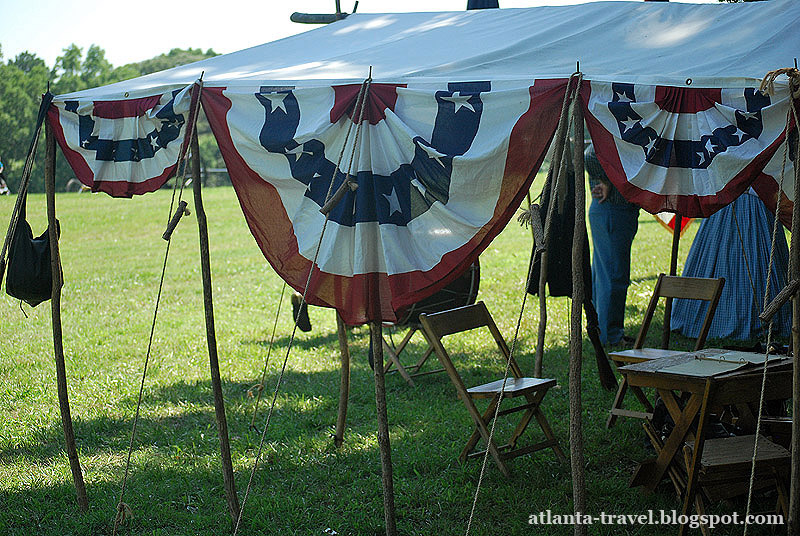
(24, 80)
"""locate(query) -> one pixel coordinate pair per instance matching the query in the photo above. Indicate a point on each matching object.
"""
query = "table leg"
(697, 455)
(650, 474)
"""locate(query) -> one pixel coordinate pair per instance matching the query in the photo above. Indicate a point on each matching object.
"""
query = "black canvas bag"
(30, 276)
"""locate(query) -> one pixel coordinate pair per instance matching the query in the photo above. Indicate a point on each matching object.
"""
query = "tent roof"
(716, 45)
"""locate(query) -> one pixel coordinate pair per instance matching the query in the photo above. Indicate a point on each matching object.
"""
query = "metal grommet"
(126, 94)
(688, 81)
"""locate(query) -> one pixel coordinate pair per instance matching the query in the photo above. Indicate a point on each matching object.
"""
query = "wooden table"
(708, 393)
(622, 358)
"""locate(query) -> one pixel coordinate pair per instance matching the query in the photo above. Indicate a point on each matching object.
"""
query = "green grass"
(112, 254)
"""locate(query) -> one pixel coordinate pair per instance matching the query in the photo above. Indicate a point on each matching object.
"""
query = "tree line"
(25, 78)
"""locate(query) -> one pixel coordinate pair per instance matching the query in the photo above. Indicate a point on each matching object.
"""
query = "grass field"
(112, 254)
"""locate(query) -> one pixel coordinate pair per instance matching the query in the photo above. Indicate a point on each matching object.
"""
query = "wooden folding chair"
(667, 286)
(533, 390)
(393, 353)
(724, 470)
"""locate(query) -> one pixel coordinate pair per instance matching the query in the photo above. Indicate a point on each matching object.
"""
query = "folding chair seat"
(667, 286)
(531, 390)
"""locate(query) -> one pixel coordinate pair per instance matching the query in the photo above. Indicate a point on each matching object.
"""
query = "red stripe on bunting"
(685, 100)
(692, 206)
(381, 97)
(125, 108)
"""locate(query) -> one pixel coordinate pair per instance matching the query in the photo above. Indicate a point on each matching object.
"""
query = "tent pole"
(376, 334)
(344, 386)
(794, 272)
(55, 308)
(542, 330)
(673, 270)
(216, 382)
(576, 334)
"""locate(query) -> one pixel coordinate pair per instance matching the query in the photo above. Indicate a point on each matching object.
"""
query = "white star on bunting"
(276, 99)
(622, 97)
(433, 153)
(298, 151)
(394, 202)
(460, 101)
(630, 123)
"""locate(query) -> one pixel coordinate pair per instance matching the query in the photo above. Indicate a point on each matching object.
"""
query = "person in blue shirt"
(614, 222)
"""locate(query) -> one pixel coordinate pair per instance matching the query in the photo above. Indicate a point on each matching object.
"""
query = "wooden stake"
(794, 272)
(537, 366)
(376, 334)
(55, 308)
(673, 270)
(344, 385)
(211, 338)
(576, 333)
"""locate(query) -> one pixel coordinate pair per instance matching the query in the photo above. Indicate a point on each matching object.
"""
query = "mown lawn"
(112, 254)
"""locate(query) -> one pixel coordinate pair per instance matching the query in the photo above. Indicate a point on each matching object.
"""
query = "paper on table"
(704, 367)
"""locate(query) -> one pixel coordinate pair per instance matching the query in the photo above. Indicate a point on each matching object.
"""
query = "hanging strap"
(22, 194)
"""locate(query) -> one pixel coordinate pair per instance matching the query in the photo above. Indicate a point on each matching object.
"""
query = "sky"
(136, 31)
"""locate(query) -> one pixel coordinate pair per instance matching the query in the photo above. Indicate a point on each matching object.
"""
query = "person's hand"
(600, 191)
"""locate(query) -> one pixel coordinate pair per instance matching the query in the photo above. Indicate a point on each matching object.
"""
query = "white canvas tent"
(459, 111)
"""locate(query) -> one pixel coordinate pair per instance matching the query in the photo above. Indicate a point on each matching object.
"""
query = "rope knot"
(257, 388)
(768, 83)
(124, 513)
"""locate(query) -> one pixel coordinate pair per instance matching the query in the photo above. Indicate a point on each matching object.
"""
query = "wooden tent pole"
(344, 385)
(576, 333)
(542, 330)
(376, 335)
(794, 272)
(673, 270)
(211, 338)
(55, 308)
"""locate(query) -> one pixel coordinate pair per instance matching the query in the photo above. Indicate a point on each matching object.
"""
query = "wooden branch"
(794, 273)
(348, 185)
(316, 18)
(673, 270)
(376, 335)
(537, 229)
(55, 309)
(779, 301)
(577, 462)
(211, 338)
(344, 385)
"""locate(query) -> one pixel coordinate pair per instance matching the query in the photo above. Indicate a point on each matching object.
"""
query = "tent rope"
(123, 510)
(794, 85)
(565, 108)
(360, 106)
(259, 387)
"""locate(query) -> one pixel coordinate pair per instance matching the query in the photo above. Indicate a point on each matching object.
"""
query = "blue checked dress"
(717, 252)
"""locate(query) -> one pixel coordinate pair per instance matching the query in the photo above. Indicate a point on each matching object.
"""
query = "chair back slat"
(688, 288)
(462, 319)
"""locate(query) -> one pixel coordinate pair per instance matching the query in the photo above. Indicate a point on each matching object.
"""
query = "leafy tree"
(24, 79)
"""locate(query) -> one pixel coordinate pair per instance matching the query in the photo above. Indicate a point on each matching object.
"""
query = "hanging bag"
(30, 276)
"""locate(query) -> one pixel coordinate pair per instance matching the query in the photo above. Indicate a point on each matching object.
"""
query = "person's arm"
(600, 190)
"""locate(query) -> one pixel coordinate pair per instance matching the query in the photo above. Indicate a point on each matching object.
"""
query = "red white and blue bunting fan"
(440, 170)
